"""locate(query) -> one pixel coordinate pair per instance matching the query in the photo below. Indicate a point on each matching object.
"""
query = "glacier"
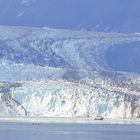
(47, 72)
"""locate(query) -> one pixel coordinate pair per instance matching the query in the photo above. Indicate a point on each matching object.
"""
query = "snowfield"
(48, 72)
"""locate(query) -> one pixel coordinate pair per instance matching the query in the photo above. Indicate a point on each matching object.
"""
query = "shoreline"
(63, 120)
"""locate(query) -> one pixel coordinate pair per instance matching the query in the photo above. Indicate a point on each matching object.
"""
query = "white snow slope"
(49, 73)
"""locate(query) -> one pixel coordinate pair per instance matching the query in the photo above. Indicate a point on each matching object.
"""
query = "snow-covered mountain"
(15, 8)
(66, 73)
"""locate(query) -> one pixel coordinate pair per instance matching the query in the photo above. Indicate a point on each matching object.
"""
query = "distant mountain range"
(115, 16)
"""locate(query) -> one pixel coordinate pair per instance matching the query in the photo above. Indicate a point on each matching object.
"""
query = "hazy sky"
(100, 15)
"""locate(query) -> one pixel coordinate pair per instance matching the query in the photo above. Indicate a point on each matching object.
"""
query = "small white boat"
(98, 118)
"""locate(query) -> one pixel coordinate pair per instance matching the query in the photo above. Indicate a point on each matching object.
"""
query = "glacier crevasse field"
(48, 72)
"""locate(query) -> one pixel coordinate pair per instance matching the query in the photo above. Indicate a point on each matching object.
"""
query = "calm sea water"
(48, 131)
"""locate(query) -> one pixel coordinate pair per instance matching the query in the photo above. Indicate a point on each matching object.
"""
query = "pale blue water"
(30, 131)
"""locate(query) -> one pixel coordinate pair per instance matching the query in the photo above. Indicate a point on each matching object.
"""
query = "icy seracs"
(59, 98)
(63, 73)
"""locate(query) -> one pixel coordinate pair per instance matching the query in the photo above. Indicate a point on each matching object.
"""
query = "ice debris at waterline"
(63, 73)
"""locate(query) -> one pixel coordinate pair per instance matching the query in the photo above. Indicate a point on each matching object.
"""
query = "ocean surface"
(68, 131)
